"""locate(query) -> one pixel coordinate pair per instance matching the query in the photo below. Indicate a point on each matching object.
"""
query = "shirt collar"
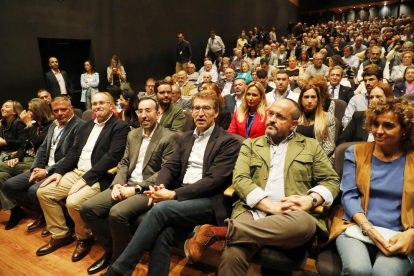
(285, 141)
(152, 132)
(58, 72)
(103, 123)
(67, 122)
(205, 133)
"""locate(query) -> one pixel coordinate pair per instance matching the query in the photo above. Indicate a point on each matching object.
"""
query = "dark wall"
(142, 33)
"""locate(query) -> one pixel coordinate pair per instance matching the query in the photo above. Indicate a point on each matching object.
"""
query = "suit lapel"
(105, 129)
(152, 145)
(66, 131)
(210, 144)
(134, 148)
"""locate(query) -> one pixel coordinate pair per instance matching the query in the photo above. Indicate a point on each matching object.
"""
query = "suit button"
(265, 177)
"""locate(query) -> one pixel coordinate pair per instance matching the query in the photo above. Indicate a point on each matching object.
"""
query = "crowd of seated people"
(287, 101)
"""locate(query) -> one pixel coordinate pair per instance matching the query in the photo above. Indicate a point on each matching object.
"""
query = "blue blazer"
(248, 78)
(93, 85)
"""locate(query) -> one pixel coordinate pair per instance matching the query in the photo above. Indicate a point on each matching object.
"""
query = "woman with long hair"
(314, 122)
(250, 118)
(116, 72)
(224, 117)
(89, 83)
(12, 133)
(328, 105)
(129, 102)
(293, 70)
(39, 112)
(245, 73)
(252, 58)
(304, 61)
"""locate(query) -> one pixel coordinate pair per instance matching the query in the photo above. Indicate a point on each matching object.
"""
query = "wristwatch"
(138, 189)
(314, 200)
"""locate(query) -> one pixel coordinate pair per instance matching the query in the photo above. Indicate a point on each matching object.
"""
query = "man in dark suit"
(189, 189)
(109, 213)
(292, 48)
(57, 81)
(355, 130)
(99, 148)
(235, 100)
(337, 90)
(182, 54)
(61, 136)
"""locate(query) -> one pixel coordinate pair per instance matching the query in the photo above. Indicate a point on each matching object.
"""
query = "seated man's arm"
(179, 120)
(170, 171)
(123, 165)
(349, 111)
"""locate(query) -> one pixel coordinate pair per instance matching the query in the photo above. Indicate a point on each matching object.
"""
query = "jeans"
(157, 231)
(361, 259)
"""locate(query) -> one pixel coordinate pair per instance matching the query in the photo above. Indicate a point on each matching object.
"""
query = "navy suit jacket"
(52, 85)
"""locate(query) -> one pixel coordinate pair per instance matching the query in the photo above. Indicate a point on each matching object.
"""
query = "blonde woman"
(249, 119)
(245, 72)
(116, 72)
(314, 122)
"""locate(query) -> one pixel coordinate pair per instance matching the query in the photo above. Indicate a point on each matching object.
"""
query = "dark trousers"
(109, 220)
(214, 55)
(157, 231)
(19, 188)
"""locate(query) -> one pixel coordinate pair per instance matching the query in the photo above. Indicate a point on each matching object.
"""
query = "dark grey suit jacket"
(345, 93)
(53, 85)
(184, 103)
(68, 138)
(230, 102)
(163, 143)
(354, 131)
(399, 89)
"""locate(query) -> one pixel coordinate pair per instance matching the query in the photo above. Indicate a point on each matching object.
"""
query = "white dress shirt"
(336, 91)
(57, 133)
(136, 175)
(61, 82)
(275, 186)
(194, 170)
(227, 88)
(270, 97)
(85, 163)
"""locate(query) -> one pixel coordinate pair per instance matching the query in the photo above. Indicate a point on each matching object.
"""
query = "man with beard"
(374, 59)
(234, 101)
(281, 80)
(371, 76)
(274, 200)
(171, 115)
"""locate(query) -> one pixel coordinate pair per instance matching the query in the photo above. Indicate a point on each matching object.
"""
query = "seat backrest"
(340, 156)
(189, 121)
(409, 97)
(352, 82)
(338, 125)
(239, 138)
(78, 112)
(87, 115)
(340, 106)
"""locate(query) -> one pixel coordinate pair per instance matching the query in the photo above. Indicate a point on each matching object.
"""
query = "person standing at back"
(183, 54)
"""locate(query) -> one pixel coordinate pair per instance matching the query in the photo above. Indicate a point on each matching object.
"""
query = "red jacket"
(258, 128)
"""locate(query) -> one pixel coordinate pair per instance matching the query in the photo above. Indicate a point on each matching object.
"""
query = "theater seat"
(87, 115)
(78, 112)
(340, 107)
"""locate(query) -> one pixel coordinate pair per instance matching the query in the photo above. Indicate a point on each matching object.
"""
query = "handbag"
(355, 232)
(124, 85)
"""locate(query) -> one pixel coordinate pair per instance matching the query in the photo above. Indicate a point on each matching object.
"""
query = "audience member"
(272, 58)
(236, 63)
(57, 81)
(109, 213)
(241, 42)
(129, 102)
(304, 61)
(337, 90)
(293, 70)
(12, 129)
(407, 85)
(352, 60)
(264, 65)
(249, 119)
(313, 49)
(235, 100)
(183, 54)
(186, 87)
(192, 73)
(397, 73)
(149, 90)
(116, 72)
(252, 59)
(89, 83)
(262, 77)
(226, 86)
(293, 50)
(358, 47)
(245, 72)
(100, 147)
(282, 91)
(347, 71)
(44, 95)
(215, 46)
(374, 58)
(223, 119)
(176, 98)
(208, 69)
(317, 68)
(188, 190)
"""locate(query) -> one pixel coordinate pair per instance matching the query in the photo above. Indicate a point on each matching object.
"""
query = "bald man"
(57, 81)
(186, 87)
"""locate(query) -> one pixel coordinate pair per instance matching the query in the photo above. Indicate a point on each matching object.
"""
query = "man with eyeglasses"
(177, 99)
(226, 86)
(171, 115)
(186, 87)
(61, 136)
(149, 90)
(83, 174)
(317, 68)
(193, 75)
(188, 190)
(375, 58)
(279, 177)
(108, 214)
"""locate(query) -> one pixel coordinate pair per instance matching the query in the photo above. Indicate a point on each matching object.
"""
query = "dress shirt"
(357, 103)
(270, 97)
(84, 163)
(226, 90)
(136, 175)
(215, 44)
(275, 186)
(61, 82)
(238, 103)
(214, 76)
(194, 170)
(57, 133)
(193, 77)
(336, 91)
(353, 61)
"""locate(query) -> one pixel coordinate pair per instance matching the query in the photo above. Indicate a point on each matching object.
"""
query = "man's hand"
(12, 162)
(303, 203)
(77, 186)
(2, 142)
(116, 192)
(127, 192)
(159, 193)
(37, 175)
(54, 177)
(402, 243)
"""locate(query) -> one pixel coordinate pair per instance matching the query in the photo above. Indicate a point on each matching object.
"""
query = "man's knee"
(234, 255)
(8, 186)
(73, 203)
(32, 192)
(118, 214)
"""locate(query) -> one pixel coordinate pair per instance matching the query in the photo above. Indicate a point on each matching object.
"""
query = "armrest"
(229, 191)
(112, 171)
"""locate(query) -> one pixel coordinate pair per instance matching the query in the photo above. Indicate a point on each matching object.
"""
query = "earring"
(404, 134)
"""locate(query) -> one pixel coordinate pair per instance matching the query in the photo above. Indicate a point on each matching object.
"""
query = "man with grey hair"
(235, 100)
(208, 65)
(177, 99)
(358, 46)
(238, 60)
(374, 59)
(317, 68)
(185, 86)
(192, 73)
(270, 56)
(226, 86)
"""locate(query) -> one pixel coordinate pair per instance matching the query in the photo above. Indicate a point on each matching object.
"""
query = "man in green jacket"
(278, 177)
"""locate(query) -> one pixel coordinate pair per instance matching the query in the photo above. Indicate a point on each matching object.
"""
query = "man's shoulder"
(175, 108)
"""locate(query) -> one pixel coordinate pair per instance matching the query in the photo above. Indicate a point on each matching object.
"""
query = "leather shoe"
(100, 264)
(45, 233)
(39, 223)
(204, 236)
(82, 249)
(53, 245)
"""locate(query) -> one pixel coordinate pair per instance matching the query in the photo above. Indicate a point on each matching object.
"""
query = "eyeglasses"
(206, 109)
(278, 116)
(146, 110)
(95, 104)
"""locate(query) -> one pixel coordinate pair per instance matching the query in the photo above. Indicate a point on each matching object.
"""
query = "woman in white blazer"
(89, 83)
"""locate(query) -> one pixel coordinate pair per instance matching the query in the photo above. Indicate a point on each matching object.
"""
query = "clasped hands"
(159, 193)
(401, 243)
(286, 204)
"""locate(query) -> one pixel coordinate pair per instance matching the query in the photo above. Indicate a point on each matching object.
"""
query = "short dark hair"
(161, 82)
(41, 90)
(148, 98)
(372, 70)
(261, 73)
(349, 47)
(114, 90)
(264, 60)
(212, 32)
